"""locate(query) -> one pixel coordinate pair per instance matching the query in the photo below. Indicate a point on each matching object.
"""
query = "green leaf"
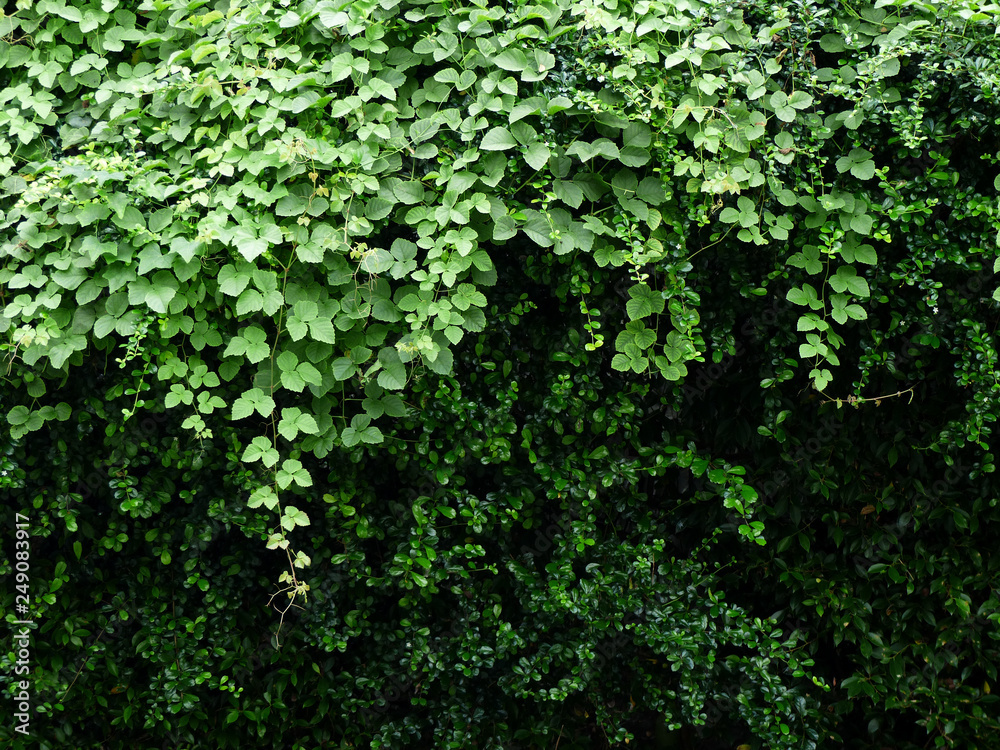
(800, 100)
(568, 192)
(263, 496)
(383, 88)
(361, 431)
(293, 421)
(810, 260)
(296, 516)
(343, 368)
(246, 241)
(253, 344)
(410, 192)
(537, 155)
(322, 329)
(847, 279)
(287, 361)
(780, 104)
(178, 394)
(19, 415)
(498, 139)
(393, 373)
(859, 253)
(260, 449)
(155, 293)
(862, 223)
(621, 363)
(250, 301)
(644, 302)
(531, 106)
(821, 378)
(292, 471)
(858, 162)
(633, 156)
(293, 381)
(443, 363)
(340, 67)
(806, 295)
(832, 43)
(513, 60)
(841, 311)
(422, 130)
(253, 400)
(231, 281)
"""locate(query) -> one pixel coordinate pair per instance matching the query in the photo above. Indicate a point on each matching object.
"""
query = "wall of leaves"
(572, 374)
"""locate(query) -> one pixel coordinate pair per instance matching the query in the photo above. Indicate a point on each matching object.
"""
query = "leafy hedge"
(507, 341)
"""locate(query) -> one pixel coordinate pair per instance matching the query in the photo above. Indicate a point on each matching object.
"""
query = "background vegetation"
(577, 373)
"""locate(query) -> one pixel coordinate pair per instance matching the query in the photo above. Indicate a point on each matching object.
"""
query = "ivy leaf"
(250, 301)
(295, 516)
(410, 192)
(293, 421)
(497, 139)
(393, 374)
(442, 363)
(383, 88)
(781, 106)
(19, 415)
(253, 400)
(809, 259)
(745, 214)
(584, 150)
(309, 373)
(853, 253)
(800, 100)
(513, 60)
(260, 449)
(841, 310)
(644, 302)
(178, 395)
(343, 368)
(821, 378)
(832, 43)
(287, 361)
(293, 381)
(862, 223)
(568, 192)
(252, 343)
(361, 431)
(811, 322)
(292, 471)
(806, 295)
(322, 329)
(466, 296)
(537, 155)
(231, 281)
(847, 279)
(637, 334)
(155, 293)
(208, 403)
(246, 241)
(296, 328)
(376, 261)
(263, 496)
(858, 162)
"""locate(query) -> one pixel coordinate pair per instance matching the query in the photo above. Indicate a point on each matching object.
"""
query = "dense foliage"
(573, 374)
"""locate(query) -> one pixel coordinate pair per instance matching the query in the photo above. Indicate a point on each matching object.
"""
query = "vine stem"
(856, 401)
